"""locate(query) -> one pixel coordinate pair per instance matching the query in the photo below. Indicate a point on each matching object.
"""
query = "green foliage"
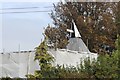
(105, 67)
(45, 61)
(118, 54)
(8, 78)
(94, 21)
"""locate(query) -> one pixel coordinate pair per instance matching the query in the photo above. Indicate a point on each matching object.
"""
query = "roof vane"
(74, 31)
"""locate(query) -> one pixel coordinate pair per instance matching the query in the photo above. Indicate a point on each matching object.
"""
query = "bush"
(105, 67)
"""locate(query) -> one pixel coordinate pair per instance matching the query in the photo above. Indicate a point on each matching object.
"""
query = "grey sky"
(25, 28)
(0, 29)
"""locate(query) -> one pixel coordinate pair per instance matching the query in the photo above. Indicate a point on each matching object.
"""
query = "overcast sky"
(23, 28)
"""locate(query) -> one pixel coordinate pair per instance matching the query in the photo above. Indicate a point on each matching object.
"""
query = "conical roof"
(77, 44)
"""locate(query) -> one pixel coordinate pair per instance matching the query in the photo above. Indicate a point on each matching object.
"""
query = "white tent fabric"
(17, 64)
(70, 58)
(20, 64)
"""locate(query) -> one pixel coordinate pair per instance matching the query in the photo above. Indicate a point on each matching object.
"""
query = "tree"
(118, 18)
(57, 35)
(45, 61)
(95, 21)
(105, 67)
